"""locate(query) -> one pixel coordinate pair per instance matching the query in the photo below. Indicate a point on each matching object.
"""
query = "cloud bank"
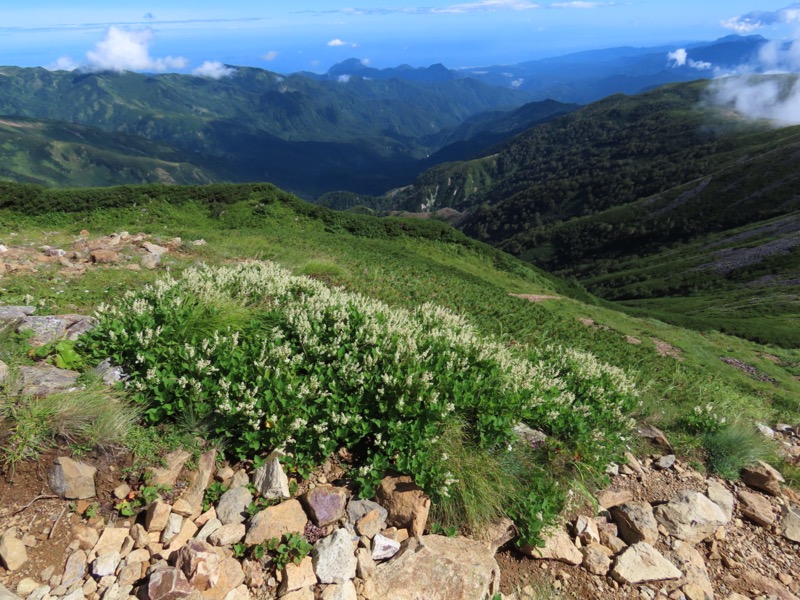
(129, 50)
(213, 69)
(752, 21)
(759, 98)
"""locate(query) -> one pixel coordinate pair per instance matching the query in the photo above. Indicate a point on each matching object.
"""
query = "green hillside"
(654, 200)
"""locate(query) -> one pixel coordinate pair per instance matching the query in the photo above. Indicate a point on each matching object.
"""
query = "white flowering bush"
(274, 360)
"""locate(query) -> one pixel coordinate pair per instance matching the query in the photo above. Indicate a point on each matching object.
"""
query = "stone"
(303, 594)
(344, 591)
(719, 495)
(200, 563)
(26, 586)
(406, 503)
(104, 256)
(297, 576)
(270, 480)
(3, 371)
(138, 556)
(764, 478)
(105, 564)
(210, 527)
(151, 261)
(494, 535)
(357, 509)
(188, 529)
(365, 567)
(325, 504)
(334, 557)
(75, 595)
(71, 479)
(640, 563)
(139, 535)
(43, 380)
(232, 506)
(790, 523)
(665, 462)
(130, 573)
(238, 593)
(183, 508)
(436, 568)
(110, 375)
(168, 584)
(384, 548)
(654, 434)
(276, 521)
(228, 535)
(75, 568)
(13, 553)
(172, 528)
(253, 573)
(205, 471)
(231, 576)
(240, 479)
(158, 515)
(695, 575)
(691, 516)
(154, 248)
(211, 513)
(370, 524)
(111, 540)
(766, 431)
(586, 530)
(533, 437)
(168, 475)
(51, 328)
(224, 474)
(615, 544)
(596, 559)
(636, 522)
(121, 491)
(557, 546)
(15, 313)
(756, 508)
(765, 585)
(609, 498)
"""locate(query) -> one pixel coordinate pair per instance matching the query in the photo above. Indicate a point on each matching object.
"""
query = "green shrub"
(734, 447)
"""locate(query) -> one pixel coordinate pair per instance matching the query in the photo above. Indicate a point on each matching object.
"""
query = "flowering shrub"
(704, 419)
(274, 360)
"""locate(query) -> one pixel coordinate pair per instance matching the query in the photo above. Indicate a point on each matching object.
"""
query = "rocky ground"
(662, 530)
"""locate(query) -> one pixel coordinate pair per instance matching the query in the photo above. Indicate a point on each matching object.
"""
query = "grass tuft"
(735, 447)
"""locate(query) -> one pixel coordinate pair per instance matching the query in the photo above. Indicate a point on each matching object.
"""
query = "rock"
(370, 524)
(13, 553)
(790, 523)
(665, 462)
(586, 530)
(719, 495)
(168, 584)
(756, 508)
(636, 522)
(205, 470)
(5, 593)
(75, 568)
(406, 503)
(357, 509)
(609, 498)
(172, 528)
(634, 464)
(105, 564)
(151, 261)
(276, 521)
(270, 480)
(121, 491)
(154, 248)
(384, 548)
(232, 506)
(26, 586)
(297, 576)
(187, 532)
(210, 527)
(111, 540)
(325, 504)
(302, 594)
(436, 568)
(640, 563)
(200, 563)
(533, 437)
(15, 313)
(3, 371)
(764, 478)
(765, 431)
(557, 546)
(240, 479)
(184, 509)
(44, 380)
(691, 516)
(168, 475)
(365, 567)
(655, 435)
(109, 373)
(497, 534)
(200, 242)
(334, 557)
(688, 560)
(55, 327)
(596, 559)
(228, 535)
(345, 591)
(104, 256)
(238, 593)
(139, 536)
(157, 517)
(615, 544)
(765, 585)
(231, 576)
(224, 474)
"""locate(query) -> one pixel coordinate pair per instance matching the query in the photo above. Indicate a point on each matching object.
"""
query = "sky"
(202, 36)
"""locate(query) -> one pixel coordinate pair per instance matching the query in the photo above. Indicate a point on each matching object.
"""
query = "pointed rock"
(270, 480)
(407, 504)
(205, 470)
(764, 478)
(790, 523)
(640, 563)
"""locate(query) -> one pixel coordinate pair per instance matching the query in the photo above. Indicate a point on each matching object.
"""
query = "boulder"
(232, 506)
(205, 470)
(55, 327)
(596, 559)
(764, 478)
(436, 568)
(71, 479)
(406, 503)
(168, 584)
(104, 256)
(691, 516)
(636, 522)
(790, 523)
(609, 498)
(325, 504)
(334, 557)
(718, 493)
(15, 313)
(756, 508)
(172, 528)
(270, 480)
(557, 546)
(228, 535)
(12, 552)
(200, 563)
(640, 563)
(655, 435)
(154, 248)
(276, 521)
(43, 380)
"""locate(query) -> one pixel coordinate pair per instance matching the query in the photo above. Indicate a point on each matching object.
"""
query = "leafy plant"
(292, 549)
(212, 494)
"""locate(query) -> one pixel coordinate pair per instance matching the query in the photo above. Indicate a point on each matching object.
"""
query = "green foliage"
(293, 548)
(63, 353)
(212, 494)
(734, 447)
(704, 420)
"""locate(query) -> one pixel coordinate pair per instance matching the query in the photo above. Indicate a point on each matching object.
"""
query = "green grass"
(735, 447)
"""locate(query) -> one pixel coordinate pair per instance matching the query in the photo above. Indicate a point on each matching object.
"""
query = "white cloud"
(488, 6)
(469, 7)
(343, 78)
(269, 56)
(64, 63)
(757, 19)
(680, 58)
(337, 42)
(129, 50)
(760, 98)
(214, 70)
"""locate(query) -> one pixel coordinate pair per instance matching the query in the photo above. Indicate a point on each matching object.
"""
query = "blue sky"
(184, 35)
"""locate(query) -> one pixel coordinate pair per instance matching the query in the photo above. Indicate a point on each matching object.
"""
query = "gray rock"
(15, 313)
(44, 380)
(211, 526)
(240, 479)
(154, 248)
(636, 522)
(232, 507)
(55, 327)
(719, 495)
(790, 523)
(105, 564)
(75, 569)
(765, 431)
(270, 480)
(334, 558)
(640, 563)
(228, 535)
(356, 509)
(12, 552)
(174, 524)
(533, 437)
(383, 548)
(71, 479)
(151, 261)
(665, 462)
(109, 373)
(5, 594)
(3, 371)
(691, 516)
(436, 568)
